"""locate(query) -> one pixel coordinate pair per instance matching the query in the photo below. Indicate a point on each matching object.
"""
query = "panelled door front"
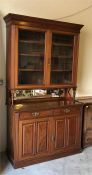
(33, 137)
(73, 124)
(59, 134)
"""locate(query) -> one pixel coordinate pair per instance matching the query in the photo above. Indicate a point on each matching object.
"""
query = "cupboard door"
(62, 59)
(42, 136)
(59, 134)
(31, 57)
(34, 137)
(27, 140)
(73, 128)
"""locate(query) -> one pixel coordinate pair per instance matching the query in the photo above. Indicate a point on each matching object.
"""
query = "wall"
(85, 53)
(84, 77)
(3, 119)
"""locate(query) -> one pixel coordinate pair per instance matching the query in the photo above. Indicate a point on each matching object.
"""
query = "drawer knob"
(66, 110)
(86, 106)
(35, 114)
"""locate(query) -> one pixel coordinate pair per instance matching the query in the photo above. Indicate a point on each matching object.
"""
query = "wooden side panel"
(59, 133)
(10, 132)
(11, 55)
(42, 136)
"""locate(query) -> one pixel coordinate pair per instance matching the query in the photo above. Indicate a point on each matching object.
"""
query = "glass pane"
(31, 57)
(62, 59)
(30, 77)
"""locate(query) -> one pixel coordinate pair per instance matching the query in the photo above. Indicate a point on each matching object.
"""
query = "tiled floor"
(79, 164)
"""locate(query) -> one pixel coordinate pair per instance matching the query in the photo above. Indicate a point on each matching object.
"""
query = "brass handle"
(66, 110)
(35, 114)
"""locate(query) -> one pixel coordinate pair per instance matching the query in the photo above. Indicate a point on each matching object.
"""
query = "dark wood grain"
(47, 128)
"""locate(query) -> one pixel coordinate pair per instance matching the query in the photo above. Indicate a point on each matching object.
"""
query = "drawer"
(54, 112)
(89, 121)
(67, 110)
(28, 115)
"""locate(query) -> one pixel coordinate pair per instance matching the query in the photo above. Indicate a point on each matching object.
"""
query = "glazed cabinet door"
(33, 137)
(63, 59)
(73, 130)
(30, 62)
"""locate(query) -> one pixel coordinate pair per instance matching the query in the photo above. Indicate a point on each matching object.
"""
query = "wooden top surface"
(85, 100)
(46, 105)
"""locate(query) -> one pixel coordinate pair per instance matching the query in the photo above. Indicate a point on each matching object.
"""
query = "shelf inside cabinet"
(31, 41)
(31, 54)
(61, 56)
(60, 70)
(34, 70)
(62, 44)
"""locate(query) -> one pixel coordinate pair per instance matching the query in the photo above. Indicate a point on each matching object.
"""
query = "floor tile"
(78, 164)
